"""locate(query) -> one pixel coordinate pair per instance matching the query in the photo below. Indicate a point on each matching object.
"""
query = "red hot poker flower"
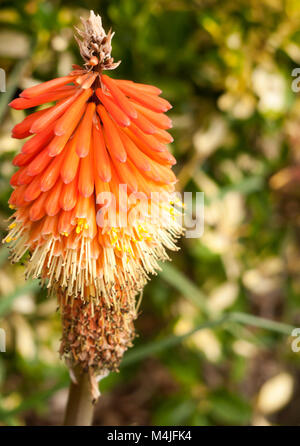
(100, 133)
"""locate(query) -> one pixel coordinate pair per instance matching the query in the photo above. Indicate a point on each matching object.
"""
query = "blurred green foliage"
(226, 67)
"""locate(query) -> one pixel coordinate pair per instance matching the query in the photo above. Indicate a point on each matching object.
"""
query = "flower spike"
(93, 198)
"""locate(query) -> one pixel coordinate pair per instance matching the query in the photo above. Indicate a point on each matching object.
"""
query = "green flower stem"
(80, 408)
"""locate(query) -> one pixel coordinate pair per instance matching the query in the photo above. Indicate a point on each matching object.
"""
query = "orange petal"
(69, 195)
(50, 226)
(100, 186)
(73, 239)
(64, 223)
(89, 81)
(71, 161)
(33, 189)
(126, 175)
(23, 177)
(139, 159)
(22, 130)
(22, 215)
(57, 249)
(82, 78)
(22, 103)
(163, 136)
(91, 230)
(111, 136)
(51, 174)
(95, 249)
(155, 103)
(119, 97)
(144, 124)
(149, 140)
(35, 232)
(164, 157)
(82, 207)
(45, 87)
(37, 209)
(77, 70)
(144, 185)
(160, 120)
(39, 141)
(161, 174)
(85, 131)
(103, 240)
(52, 205)
(114, 190)
(148, 186)
(116, 113)
(14, 179)
(39, 163)
(17, 197)
(52, 114)
(146, 88)
(86, 176)
(101, 158)
(58, 142)
(22, 159)
(73, 113)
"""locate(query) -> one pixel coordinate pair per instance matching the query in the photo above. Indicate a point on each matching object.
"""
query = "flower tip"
(13, 104)
(52, 152)
(59, 132)
(122, 158)
(168, 107)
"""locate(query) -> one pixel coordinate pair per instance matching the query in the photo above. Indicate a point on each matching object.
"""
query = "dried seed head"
(95, 337)
(95, 43)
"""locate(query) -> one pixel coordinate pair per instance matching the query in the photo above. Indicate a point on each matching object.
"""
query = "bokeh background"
(214, 345)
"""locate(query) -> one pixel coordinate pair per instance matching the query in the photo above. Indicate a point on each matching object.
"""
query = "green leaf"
(230, 409)
(179, 281)
(158, 346)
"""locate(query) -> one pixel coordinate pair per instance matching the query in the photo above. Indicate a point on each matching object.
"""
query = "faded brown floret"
(95, 337)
